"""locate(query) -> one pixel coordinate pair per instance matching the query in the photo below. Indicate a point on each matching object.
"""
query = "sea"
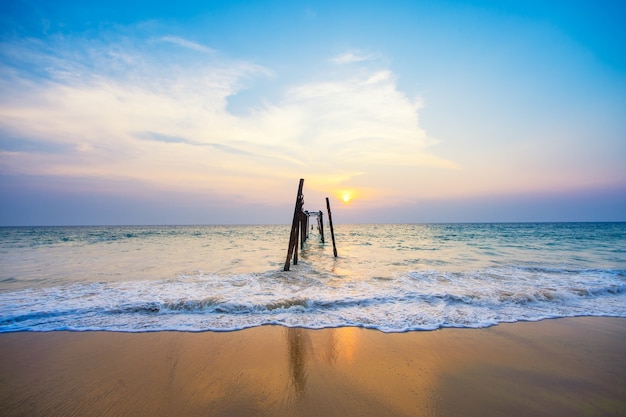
(389, 277)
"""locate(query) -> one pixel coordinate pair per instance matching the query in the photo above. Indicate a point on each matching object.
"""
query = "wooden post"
(295, 244)
(332, 231)
(303, 230)
(307, 224)
(293, 236)
(320, 225)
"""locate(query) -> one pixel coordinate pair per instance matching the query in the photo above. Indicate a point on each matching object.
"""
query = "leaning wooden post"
(320, 225)
(332, 231)
(293, 236)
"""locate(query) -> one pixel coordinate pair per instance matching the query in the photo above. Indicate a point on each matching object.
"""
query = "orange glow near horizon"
(346, 196)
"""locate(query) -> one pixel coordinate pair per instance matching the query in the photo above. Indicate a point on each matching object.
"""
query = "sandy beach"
(563, 367)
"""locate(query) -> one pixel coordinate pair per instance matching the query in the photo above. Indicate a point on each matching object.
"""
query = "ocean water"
(393, 278)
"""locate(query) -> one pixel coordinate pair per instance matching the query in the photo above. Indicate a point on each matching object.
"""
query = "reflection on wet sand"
(297, 341)
(329, 347)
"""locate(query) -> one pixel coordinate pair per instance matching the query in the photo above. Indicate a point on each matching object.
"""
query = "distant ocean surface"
(393, 278)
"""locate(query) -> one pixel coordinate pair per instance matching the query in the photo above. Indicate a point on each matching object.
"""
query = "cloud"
(380, 76)
(131, 110)
(158, 137)
(186, 44)
(352, 57)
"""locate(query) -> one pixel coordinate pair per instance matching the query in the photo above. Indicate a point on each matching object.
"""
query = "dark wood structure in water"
(300, 227)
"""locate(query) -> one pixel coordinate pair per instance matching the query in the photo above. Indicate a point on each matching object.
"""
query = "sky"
(209, 112)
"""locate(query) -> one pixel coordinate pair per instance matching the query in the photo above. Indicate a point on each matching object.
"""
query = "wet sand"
(564, 367)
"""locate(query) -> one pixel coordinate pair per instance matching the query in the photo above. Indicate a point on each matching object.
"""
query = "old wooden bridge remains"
(300, 227)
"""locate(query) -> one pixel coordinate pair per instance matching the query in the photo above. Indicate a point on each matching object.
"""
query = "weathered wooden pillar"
(308, 216)
(295, 243)
(332, 231)
(303, 228)
(292, 250)
(320, 225)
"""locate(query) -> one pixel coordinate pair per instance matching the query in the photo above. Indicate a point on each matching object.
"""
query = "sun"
(345, 196)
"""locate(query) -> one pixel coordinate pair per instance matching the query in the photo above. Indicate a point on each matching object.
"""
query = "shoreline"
(565, 366)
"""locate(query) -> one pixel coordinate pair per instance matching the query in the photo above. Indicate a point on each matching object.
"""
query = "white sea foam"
(412, 301)
(391, 278)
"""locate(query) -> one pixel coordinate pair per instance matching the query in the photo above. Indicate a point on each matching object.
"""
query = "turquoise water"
(387, 277)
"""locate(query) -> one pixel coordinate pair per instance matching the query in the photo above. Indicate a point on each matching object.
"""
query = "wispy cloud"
(186, 44)
(129, 110)
(158, 137)
(352, 57)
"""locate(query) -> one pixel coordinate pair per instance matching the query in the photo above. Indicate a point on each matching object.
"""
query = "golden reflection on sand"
(346, 344)
(394, 379)
(330, 347)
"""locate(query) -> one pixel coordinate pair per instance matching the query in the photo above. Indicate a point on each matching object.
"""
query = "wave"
(418, 300)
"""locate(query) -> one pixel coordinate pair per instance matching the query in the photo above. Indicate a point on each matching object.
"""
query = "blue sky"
(210, 112)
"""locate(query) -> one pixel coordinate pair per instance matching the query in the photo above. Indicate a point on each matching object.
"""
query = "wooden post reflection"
(297, 352)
